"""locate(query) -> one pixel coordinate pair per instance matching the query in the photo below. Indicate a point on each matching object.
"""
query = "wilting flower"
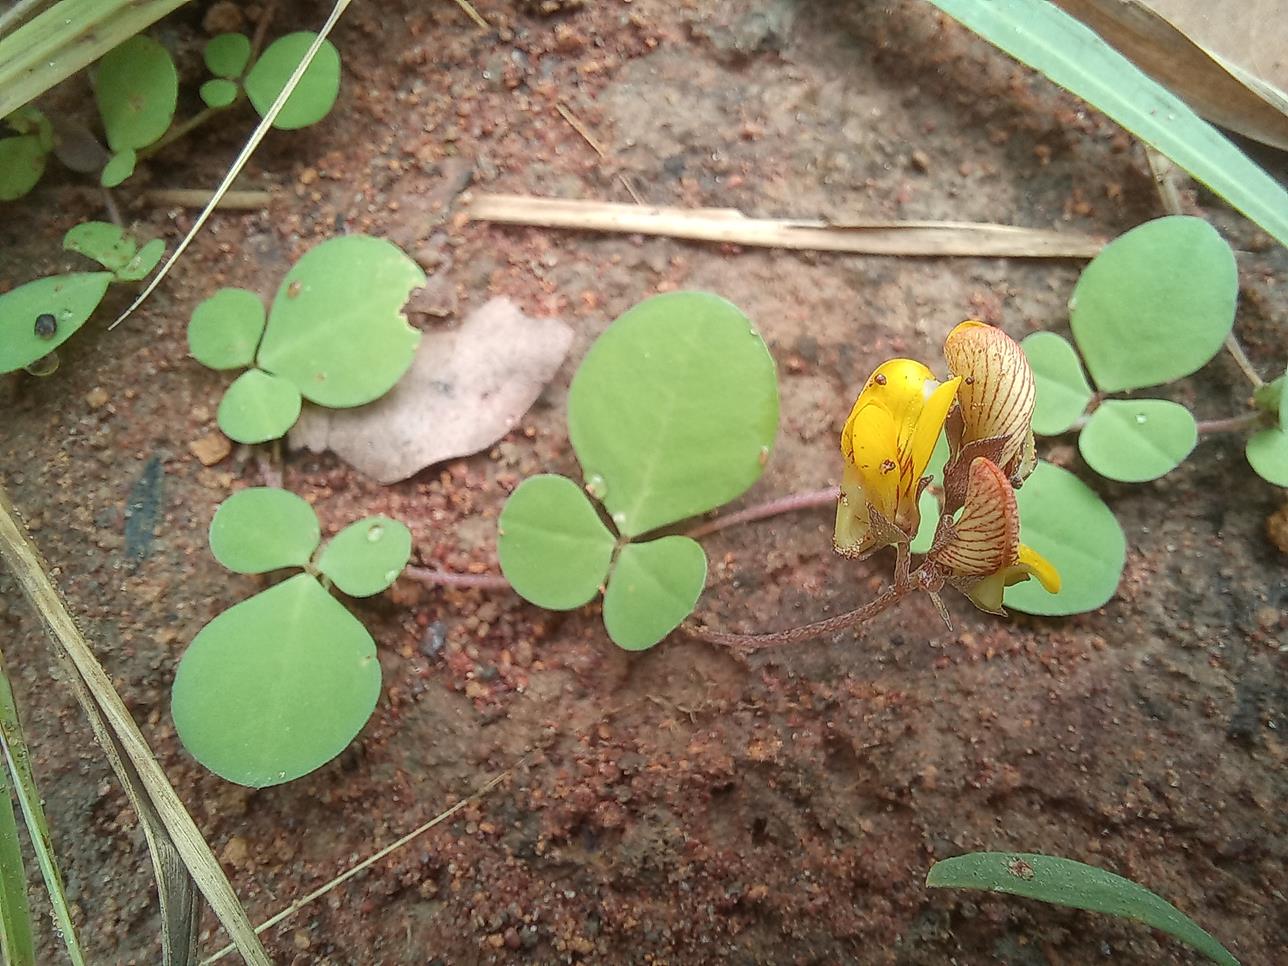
(995, 400)
(887, 442)
(983, 554)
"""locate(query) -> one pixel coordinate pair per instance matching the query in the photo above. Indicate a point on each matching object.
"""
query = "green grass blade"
(70, 35)
(1049, 40)
(33, 813)
(16, 942)
(1064, 882)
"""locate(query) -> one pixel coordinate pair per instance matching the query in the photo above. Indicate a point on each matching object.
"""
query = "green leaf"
(257, 407)
(674, 410)
(218, 92)
(336, 327)
(1039, 34)
(553, 546)
(264, 528)
(226, 328)
(654, 586)
(1267, 453)
(31, 120)
(1155, 304)
(1063, 519)
(226, 55)
(1135, 440)
(71, 299)
(1272, 397)
(119, 167)
(1062, 389)
(16, 941)
(137, 89)
(22, 162)
(102, 241)
(928, 504)
(317, 90)
(276, 686)
(1064, 882)
(141, 265)
(367, 556)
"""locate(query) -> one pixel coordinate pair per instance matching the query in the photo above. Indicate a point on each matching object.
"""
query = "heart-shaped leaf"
(552, 545)
(1135, 440)
(258, 406)
(1063, 520)
(1155, 304)
(137, 88)
(102, 241)
(317, 89)
(264, 528)
(226, 328)
(1267, 453)
(276, 686)
(367, 556)
(654, 586)
(226, 55)
(674, 410)
(1062, 389)
(38, 317)
(336, 328)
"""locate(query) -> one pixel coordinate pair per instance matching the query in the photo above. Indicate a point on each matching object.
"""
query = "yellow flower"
(886, 443)
(983, 554)
(996, 398)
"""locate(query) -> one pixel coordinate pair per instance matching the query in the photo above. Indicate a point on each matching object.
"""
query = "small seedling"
(1154, 306)
(672, 413)
(1064, 882)
(278, 685)
(137, 90)
(38, 317)
(23, 154)
(335, 335)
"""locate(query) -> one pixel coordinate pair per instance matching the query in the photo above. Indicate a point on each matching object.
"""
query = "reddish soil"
(678, 805)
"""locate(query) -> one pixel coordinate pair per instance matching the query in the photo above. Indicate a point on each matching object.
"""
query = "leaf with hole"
(38, 317)
(102, 241)
(1267, 452)
(1064, 882)
(119, 167)
(313, 98)
(674, 410)
(653, 587)
(218, 92)
(336, 328)
(226, 328)
(1062, 390)
(227, 55)
(1136, 440)
(366, 556)
(137, 88)
(1066, 522)
(264, 528)
(257, 407)
(1156, 304)
(553, 547)
(276, 686)
(141, 265)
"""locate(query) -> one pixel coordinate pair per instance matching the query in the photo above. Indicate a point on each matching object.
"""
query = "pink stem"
(445, 578)
(805, 500)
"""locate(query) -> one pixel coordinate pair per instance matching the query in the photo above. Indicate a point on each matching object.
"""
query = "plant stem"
(445, 578)
(747, 643)
(1242, 361)
(1231, 424)
(184, 129)
(805, 500)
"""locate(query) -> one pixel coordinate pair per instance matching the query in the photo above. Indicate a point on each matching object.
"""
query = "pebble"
(97, 398)
(211, 448)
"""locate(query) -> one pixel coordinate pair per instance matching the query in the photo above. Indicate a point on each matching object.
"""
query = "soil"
(679, 805)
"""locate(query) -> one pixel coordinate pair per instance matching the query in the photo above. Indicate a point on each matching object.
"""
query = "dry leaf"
(465, 390)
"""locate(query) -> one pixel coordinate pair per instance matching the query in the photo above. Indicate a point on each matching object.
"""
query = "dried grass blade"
(18, 761)
(925, 238)
(149, 781)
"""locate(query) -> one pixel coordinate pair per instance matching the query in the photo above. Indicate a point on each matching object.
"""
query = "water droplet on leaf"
(596, 487)
(375, 532)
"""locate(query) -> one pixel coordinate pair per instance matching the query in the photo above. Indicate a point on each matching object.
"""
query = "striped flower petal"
(997, 393)
(986, 537)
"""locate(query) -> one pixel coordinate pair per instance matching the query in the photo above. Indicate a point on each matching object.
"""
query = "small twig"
(806, 500)
(445, 578)
(1232, 424)
(567, 114)
(261, 31)
(250, 200)
(747, 643)
(473, 14)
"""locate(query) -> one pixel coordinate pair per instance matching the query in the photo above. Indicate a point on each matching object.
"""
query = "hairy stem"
(805, 500)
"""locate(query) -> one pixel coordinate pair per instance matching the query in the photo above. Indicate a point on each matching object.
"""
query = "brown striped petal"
(986, 537)
(997, 392)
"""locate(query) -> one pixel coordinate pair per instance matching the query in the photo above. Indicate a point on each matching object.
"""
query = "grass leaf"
(16, 942)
